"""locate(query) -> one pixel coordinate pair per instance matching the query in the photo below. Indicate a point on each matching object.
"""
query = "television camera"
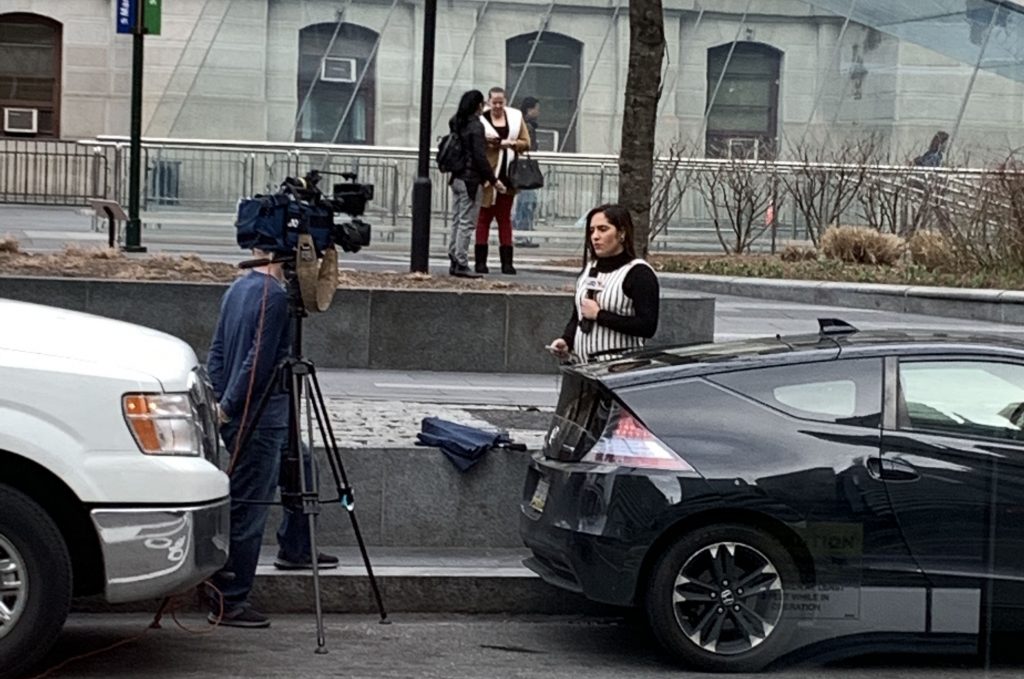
(273, 223)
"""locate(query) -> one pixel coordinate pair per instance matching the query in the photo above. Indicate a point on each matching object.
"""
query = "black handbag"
(524, 174)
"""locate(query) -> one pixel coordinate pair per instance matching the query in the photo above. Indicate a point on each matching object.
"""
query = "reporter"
(617, 293)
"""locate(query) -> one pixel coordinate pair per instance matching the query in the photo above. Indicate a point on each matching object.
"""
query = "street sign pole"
(133, 231)
(421, 189)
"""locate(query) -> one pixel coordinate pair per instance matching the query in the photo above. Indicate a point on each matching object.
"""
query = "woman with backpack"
(470, 173)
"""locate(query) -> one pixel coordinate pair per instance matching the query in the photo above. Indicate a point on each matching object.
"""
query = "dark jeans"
(254, 479)
(526, 210)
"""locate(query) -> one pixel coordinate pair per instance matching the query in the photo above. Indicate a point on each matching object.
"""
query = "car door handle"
(891, 470)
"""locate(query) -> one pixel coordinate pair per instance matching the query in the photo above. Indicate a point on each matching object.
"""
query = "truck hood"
(49, 331)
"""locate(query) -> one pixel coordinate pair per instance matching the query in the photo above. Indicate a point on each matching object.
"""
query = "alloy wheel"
(13, 586)
(728, 598)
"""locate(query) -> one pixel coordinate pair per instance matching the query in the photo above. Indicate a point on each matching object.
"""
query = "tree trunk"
(639, 120)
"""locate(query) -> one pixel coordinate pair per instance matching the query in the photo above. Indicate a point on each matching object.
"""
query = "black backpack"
(450, 156)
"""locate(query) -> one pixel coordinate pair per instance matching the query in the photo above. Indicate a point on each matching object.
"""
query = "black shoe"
(480, 255)
(243, 616)
(451, 266)
(324, 561)
(463, 271)
(505, 251)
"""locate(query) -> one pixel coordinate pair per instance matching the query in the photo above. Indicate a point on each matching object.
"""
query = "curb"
(981, 304)
(484, 581)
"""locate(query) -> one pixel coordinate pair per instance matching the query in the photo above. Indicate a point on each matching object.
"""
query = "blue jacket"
(239, 369)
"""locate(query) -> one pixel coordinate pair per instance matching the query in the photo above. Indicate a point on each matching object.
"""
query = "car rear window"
(841, 391)
(580, 417)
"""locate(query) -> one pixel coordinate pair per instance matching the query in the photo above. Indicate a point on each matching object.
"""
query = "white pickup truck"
(109, 481)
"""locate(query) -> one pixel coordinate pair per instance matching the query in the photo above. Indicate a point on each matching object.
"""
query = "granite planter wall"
(381, 329)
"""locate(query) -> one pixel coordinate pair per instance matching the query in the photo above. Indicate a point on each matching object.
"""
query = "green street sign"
(151, 17)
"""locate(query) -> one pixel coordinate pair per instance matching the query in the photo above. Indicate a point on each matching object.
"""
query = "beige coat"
(518, 130)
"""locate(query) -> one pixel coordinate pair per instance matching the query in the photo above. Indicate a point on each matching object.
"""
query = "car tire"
(35, 582)
(717, 627)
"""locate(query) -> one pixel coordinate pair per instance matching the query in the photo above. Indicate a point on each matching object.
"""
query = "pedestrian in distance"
(252, 337)
(617, 293)
(933, 156)
(527, 199)
(507, 136)
(468, 181)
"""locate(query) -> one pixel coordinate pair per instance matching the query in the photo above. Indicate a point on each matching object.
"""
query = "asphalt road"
(436, 647)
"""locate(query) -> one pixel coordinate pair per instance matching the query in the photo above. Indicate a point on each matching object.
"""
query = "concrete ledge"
(414, 497)
(996, 306)
(444, 330)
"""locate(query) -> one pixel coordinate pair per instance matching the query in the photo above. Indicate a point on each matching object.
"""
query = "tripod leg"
(309, 495)
(341, 481)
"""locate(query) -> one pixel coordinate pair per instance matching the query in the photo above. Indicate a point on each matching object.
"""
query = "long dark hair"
(469, 104)
(618, 217)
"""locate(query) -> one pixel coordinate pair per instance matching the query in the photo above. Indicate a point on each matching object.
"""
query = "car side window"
(962, 397)
(846, 391)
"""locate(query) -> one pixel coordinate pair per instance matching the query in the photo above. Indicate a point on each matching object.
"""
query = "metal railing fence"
(207, 176)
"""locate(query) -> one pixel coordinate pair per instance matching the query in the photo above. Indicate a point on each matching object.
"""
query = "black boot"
(480, 254)
(505, 252)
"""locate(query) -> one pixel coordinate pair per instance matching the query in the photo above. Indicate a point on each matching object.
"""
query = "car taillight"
(627, 442)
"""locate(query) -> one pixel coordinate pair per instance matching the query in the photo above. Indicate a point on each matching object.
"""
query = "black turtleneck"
(640, 285)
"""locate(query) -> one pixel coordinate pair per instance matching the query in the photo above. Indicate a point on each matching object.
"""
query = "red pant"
(502, 211)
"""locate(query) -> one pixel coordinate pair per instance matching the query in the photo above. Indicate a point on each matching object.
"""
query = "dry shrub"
(930, 250)
(862, 245)
(9, 244)
(92, 252)
(794, 252)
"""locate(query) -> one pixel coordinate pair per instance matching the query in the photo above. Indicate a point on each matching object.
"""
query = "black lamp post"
(421, 190)
(133, 232)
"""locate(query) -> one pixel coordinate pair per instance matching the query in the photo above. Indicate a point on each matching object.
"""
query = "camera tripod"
(296, 375)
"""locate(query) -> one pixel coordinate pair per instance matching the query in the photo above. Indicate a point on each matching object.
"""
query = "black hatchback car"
(758, 497)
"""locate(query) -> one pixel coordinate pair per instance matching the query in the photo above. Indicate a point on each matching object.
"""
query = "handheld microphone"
(592, 287)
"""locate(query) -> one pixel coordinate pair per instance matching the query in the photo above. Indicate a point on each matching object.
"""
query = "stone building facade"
(782, 72)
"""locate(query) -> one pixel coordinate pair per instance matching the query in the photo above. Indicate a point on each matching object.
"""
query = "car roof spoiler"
(828, 327)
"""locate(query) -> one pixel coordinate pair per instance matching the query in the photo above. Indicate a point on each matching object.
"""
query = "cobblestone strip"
(376, 424)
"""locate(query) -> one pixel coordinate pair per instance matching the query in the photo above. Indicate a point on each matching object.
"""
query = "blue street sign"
(126, 15)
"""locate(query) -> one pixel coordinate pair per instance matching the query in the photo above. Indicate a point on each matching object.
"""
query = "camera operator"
(252, 337)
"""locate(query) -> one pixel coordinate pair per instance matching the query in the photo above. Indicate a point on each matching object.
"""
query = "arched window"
(552, 76)
(743, 118)
(30, 66)
(333, 72)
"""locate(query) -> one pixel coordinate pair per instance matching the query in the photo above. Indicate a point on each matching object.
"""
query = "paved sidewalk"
(384, 409)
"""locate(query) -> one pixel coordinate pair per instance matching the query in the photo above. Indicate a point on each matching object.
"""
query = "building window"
(743, 118)
(553, 77)
(333, 71)
(30, 65)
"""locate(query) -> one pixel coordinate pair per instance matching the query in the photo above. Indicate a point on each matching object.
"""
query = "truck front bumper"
(154, 552)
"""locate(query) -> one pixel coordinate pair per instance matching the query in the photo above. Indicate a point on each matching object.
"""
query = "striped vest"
(611, 298)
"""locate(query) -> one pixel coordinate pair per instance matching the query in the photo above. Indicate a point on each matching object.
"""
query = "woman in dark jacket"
(468, 182)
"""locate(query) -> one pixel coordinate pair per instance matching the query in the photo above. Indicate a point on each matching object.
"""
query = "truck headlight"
(162, 424)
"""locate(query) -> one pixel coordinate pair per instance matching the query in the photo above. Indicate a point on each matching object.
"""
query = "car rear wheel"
(35, 582)
(715, 598)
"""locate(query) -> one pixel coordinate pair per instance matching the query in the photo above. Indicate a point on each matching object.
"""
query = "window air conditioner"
(338, 70)
(21, 120)
(744, 148)
(547, 140)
